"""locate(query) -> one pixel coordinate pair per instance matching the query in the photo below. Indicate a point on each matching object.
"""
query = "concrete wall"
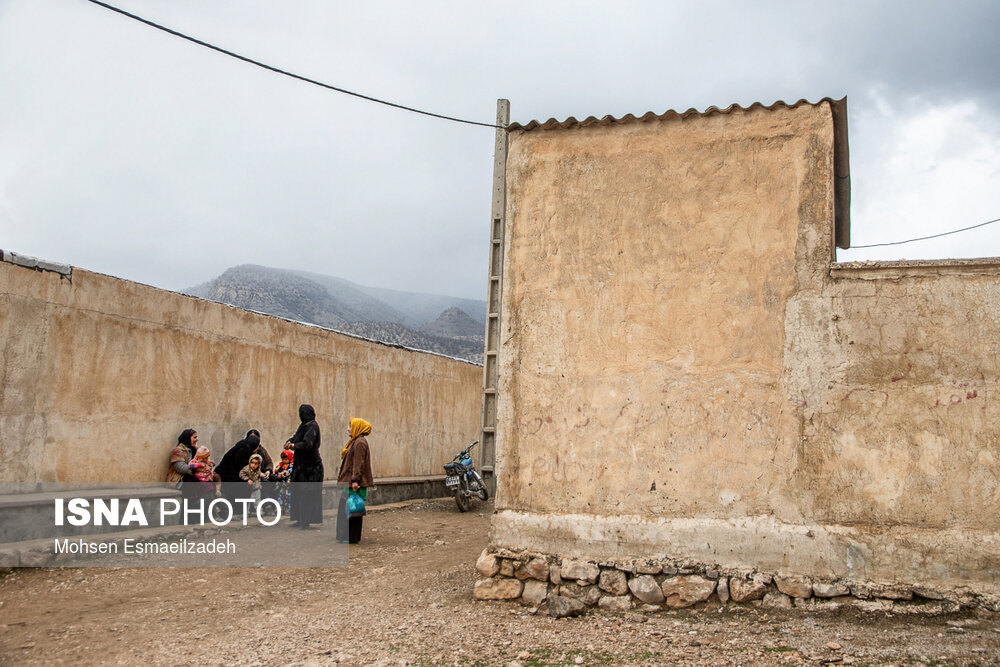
(682, 374)
(100, 375)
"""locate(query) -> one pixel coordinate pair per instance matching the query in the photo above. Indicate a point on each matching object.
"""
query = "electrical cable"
(286, 73)
(924, 238)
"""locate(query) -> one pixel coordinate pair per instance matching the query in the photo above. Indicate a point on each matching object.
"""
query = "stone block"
(645, 588)
(615, 602)
(614, 582)
(928, 593)
(536, 568)
(588, 593)
(506, 567)
(487, 564)
(561, 607)
(534, 592)
(742, 590)
(796, 587)
(554, 576)
(722, 590)
(648, 567)
(580, 570)
(684, 591)
(821, 590)
(498, 589)
(892, 592)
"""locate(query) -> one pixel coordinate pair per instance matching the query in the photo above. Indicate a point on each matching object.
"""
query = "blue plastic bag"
(355, 505)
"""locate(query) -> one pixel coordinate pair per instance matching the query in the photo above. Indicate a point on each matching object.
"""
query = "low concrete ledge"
(392, 490)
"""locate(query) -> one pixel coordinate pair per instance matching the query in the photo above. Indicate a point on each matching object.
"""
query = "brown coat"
(357, 465)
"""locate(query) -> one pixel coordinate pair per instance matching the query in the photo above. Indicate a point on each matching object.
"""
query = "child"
(282, 476)
(203, 468)
(251, 473)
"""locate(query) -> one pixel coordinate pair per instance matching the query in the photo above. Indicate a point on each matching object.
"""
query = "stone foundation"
(569, 586)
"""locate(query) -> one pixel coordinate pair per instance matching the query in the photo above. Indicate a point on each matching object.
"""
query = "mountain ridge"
(342, 305)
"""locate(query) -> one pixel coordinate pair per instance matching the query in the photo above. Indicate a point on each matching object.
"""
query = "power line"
(286, 73)
(924, 238)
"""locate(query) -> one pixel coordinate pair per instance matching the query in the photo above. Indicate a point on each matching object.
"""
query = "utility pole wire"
(924, 238)
(286, 73)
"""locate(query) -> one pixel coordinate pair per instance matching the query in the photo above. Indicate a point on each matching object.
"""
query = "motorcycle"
(464, 480)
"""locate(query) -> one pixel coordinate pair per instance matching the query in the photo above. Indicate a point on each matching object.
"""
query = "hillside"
(454, 323)
(399, 318)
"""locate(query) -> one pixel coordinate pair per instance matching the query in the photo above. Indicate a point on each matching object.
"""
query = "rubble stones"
(534, 592)
(684, 591)
(741, 590)
(579, 569)
(498, 589)
(646, 589)
(830, 590)
(578, 583)
(614, 582)
(796, 587)
(488, 564)
(536, 568)
(561, 607)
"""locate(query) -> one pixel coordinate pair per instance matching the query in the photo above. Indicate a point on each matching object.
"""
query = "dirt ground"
(406, 598)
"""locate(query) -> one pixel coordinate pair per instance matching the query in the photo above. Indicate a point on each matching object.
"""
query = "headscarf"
(359, 427)
(306, 413)
(202, 453)
(185, 437)
(258, 457)
(288, 454)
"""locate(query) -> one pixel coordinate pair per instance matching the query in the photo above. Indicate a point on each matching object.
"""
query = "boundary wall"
(99, 376)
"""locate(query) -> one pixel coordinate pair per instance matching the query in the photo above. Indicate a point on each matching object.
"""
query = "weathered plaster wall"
(100, 375)
(682, 375)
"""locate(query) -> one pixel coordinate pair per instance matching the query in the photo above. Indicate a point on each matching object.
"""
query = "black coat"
(237, 458)
(308, 465)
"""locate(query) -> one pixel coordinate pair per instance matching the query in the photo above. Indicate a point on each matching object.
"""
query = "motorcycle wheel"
(463, 501)
(483, 494)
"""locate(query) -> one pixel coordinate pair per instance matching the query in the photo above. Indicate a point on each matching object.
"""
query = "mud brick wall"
(685, 373)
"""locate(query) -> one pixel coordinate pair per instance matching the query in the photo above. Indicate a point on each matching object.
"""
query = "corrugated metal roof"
(571, 122)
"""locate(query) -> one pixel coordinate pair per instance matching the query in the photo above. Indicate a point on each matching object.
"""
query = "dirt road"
(406, 598)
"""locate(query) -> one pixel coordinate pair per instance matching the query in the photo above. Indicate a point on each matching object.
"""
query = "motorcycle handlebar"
(466, 450)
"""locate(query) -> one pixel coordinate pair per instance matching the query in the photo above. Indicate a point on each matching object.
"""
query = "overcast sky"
(130, 152)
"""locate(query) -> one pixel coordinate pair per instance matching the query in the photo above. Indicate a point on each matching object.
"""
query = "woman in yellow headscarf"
(356, 475)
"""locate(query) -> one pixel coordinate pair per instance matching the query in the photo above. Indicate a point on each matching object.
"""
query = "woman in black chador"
(307, 473)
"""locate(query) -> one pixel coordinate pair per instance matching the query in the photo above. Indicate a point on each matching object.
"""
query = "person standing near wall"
(355, 476)
(307, 474)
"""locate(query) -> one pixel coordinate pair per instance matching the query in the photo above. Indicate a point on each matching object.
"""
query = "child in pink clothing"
(203, 468)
